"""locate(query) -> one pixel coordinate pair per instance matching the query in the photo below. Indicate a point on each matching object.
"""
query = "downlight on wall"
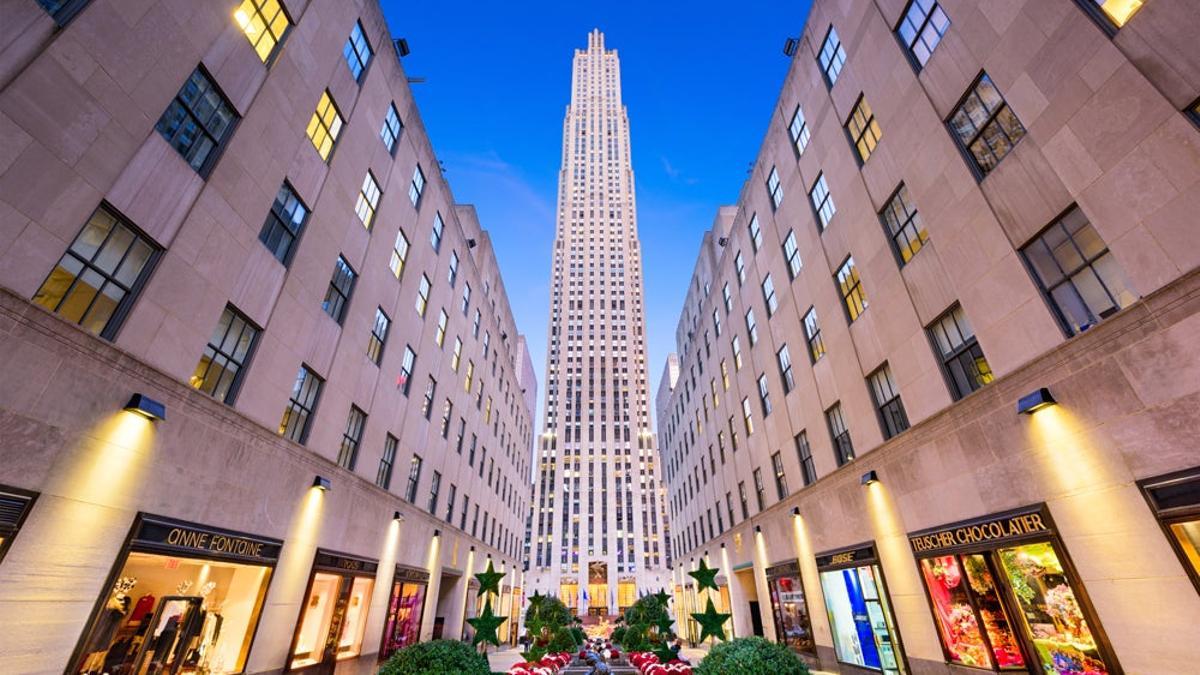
(147, 407)
(1038, 400)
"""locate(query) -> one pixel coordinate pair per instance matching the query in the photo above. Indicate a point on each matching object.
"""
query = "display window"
(334, 616)
(1004, 598)
(792, 624)
(1175, 499)
(14, 506)
(860, 613)
(184, 598)
(406, 605)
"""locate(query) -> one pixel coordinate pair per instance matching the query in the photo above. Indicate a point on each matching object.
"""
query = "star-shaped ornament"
(485, 625)
(705, 576)
(662, 597)
(489, 581)
(664, 624)
(711, 622)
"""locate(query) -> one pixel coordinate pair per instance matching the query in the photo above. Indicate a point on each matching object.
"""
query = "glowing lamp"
(396, 515)
(796, 511)
(437, 533)
(147, 407)
(758, 529)
(870, 477)
(322, 483)
(1034, 402)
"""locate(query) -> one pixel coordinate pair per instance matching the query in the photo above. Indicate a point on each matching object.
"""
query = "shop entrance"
(334, 615)
(406, 604)
(860, 612)
(789, 607)
(1175, 499)
(756, 623)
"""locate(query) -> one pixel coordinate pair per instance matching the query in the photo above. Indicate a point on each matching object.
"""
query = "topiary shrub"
(439, 657)
(751, 656)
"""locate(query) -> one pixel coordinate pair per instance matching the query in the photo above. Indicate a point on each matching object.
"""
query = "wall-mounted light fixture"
(398, 516)
(402, 49)
(870, 477)
(796, 511)
(790, 45)
(1031, 403)
(722, 544)
(472, 548)
(437, 533)
(321, 483)
(758, 529)
(147, 407)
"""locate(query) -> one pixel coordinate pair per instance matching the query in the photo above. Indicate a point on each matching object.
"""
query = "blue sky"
(699, 81)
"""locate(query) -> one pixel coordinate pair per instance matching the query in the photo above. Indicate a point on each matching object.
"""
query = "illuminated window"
(452, 269)
(301, 406)
(736, 345)
(798, 130)
(357, 52)
(791, 253)
(747, 417)
(422, 301)
(198, 121)
(755, 233)
(379, 333)
(284, 223)
(325, 126)
(219, 373)
(832, 57)
(887, 401)
(854, 297)
(414, 479)
(822, 202)
(1112, 14)
(383, 475)
(904, 225)
(416, 187)
(863, 129)
(439, 336)
(922, 28)
(768, 290)
(404, 381)
(399, 254)
(351, 437)
(265, 23)
(427, 401)
(390, 133)
(368, 201)
(843, 449)
(96, 280)
(985, 126)
(1074, 268)
(456, 355)
(341, 285)
(775, 190)
(960, 353)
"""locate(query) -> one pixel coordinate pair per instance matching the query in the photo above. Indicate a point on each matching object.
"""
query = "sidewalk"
(503, 659)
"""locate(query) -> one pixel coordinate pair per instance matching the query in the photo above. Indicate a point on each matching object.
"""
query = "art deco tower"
(597, 516)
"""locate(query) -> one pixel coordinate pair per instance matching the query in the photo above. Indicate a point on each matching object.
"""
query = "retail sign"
(784, 569)
(847, 558)
(411, 575)
(345, 564)
(174, 536)
(998, 528)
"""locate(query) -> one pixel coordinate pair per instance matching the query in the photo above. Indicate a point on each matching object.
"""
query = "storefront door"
(1004, 596)
(860, 612)
(334, 615)
(789, 608)
(406, 604)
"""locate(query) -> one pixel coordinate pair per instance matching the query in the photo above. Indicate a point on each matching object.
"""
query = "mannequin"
(106, 626)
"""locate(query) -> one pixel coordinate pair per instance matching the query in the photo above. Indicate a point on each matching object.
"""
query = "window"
(904, 225)
(325, 126)
(379, 332)
(427, 401)
(853, 296)
(832, 57)
(357, 52)
(742, 497)
(466, 299)
(812, 332)
(791, 253)
(390, 133)
(284, 223)
(985, 126)
(470, 375)
(1193, 111)
(414, 479)
(768, 290)
(301, 405)
(740, 265)
(887, 401)
(456, 355)
(843, 449)
(404, 380)
(961, 355)
(727, 295)
(95, 282)
(1077, 273)
(780, 477)
(822, 202)
(755, 231)
(399, 254)
(1112, 14)
(416, 187)
(725, 372)
(798, 130)
(198, 121)
(922, 28)
(807, 471)
(62, 11)
(760, 495)
(717, 322)
(265, 23)
(435, 236)
(422, 302)
(751, 327)
(219, 373)
(435, 486)
(736, 345)
(748, 416)
(785, 369)
(348, 451)
(462, 433)
(764, 396)
(775, 189)
(368, 200)
(452, 274)
(439, 336)
(863, 129)
(450, 498)
(341, 285)
(383, 476)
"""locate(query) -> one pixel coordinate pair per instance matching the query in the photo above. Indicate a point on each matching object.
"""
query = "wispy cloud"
(674, 173)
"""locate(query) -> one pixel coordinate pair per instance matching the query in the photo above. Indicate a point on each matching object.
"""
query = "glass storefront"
(185, 599)
(1003, 597)
(860, 613)
(792, 625)
(334, 615)
(406, 605)
(1176, 501)
(14, 506)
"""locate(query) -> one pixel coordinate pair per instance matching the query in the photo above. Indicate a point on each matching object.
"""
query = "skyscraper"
(597, 516)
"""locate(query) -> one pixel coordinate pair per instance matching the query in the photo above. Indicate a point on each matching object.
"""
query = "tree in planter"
(485, 624)
(439, 657)
(549, 623)
(751, 656)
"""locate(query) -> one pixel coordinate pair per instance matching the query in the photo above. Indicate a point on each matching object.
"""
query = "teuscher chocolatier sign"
(994, 529)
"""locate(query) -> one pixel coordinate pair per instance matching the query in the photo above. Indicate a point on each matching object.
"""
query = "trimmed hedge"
(439, 657)
(751, 656)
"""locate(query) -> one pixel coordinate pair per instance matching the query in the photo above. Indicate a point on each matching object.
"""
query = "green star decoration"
(711, 622)
(489, 581)
(705, 576)
(485, 626)
(664, 624)
(662, 597)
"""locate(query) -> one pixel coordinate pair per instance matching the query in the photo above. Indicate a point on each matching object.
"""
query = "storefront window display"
(1004, 600)
(14, 506)
(335, 612)
(406, 604)
(185, 599)
(1176, 501)
(792, 625)
(860, 614)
